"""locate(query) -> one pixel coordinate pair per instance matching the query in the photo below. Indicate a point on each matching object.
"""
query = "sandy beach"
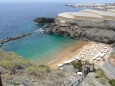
(90, 51)
(67, 54)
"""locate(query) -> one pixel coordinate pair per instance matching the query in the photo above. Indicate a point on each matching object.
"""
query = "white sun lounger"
(60, 65)
(98, 54)
(79, 73)
(105, 51)
(102, 55)
(98, 59)
(77, 58)
(73, 59)
(105, 47)
(92, 54)
(66, 62)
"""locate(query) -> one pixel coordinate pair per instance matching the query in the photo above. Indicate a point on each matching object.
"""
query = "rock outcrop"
(43, 20)
(91, 25)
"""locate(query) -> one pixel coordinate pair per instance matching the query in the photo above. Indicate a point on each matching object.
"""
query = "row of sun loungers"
(101, 54)
(94, 52)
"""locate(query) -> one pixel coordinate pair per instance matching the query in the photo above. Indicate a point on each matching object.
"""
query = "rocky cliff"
(91, 25)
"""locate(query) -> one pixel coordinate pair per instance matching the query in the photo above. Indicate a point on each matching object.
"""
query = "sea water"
(17, 18)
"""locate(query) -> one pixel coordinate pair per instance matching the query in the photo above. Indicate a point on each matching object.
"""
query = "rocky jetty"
(14, 38)
(93, 25)
(43, 20)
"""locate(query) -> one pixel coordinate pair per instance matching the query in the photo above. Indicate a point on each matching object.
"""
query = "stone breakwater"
(14, 38)
(93, 25)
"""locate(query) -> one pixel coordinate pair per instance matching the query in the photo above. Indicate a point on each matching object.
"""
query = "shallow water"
(16, 18)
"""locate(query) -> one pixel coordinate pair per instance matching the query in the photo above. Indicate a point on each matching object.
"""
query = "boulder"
(43, 20)
(69, 68)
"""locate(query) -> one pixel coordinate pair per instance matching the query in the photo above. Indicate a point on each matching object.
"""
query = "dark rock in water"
(43, 20)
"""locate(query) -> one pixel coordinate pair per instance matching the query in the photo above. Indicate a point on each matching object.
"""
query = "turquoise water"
(16, 18)
(38, 46)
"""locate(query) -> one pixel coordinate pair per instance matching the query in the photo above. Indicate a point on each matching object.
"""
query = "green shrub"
(37, 70)
(11, 53)
(77, 64)
(21, 63)
(7, 64)
(103, 80)
(8, 55)
(112, 82)
(12, 60)
(44, 67)
(100, 75)
(11, 56)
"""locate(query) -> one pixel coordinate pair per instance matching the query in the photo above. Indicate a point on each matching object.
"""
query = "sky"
(77, 1)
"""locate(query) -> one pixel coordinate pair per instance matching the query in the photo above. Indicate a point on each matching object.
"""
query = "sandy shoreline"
(67, 54)
(86, 51)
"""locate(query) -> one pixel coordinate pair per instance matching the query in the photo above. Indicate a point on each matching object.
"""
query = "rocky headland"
(89, 25)
(93, 25)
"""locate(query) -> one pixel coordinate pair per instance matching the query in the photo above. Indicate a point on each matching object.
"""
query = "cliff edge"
(93, 25)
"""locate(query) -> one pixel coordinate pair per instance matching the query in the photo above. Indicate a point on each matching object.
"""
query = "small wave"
(45, 25)
(40, 30)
